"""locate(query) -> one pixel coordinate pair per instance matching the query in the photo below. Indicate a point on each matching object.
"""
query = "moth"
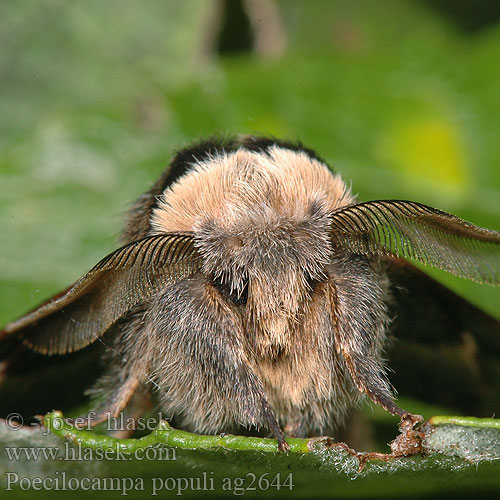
(252, 289)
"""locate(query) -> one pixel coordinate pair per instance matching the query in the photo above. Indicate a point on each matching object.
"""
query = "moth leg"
(130, 417)
(371, 382)
(203, 366)
(124, 377)
(253, 390)
(369, 379)
(359, 320)
(112, 406)
(274, 427)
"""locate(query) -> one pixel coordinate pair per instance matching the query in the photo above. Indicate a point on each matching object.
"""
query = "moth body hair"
(252, 289)
(263, 218)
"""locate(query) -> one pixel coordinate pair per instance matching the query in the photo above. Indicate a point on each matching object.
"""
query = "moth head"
(265, 261)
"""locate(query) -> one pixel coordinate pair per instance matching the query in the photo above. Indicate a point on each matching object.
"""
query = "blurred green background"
(401, 97)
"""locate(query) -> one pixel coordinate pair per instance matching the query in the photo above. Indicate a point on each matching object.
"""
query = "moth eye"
(237, 297)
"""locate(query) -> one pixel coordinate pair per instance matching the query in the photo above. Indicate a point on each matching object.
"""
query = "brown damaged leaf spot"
(406, 444)
(409, 441)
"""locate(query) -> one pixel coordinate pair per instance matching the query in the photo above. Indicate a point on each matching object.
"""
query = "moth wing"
(128, 276)
(442, 349)
(414, 231)
(445, 350)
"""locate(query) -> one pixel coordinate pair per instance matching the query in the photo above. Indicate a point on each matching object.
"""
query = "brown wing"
(123, 279)
(415, 231)
(443, 349)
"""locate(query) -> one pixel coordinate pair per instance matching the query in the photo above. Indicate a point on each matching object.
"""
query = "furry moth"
(252, 289)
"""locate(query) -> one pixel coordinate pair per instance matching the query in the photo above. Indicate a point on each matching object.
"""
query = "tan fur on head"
(231, 186)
